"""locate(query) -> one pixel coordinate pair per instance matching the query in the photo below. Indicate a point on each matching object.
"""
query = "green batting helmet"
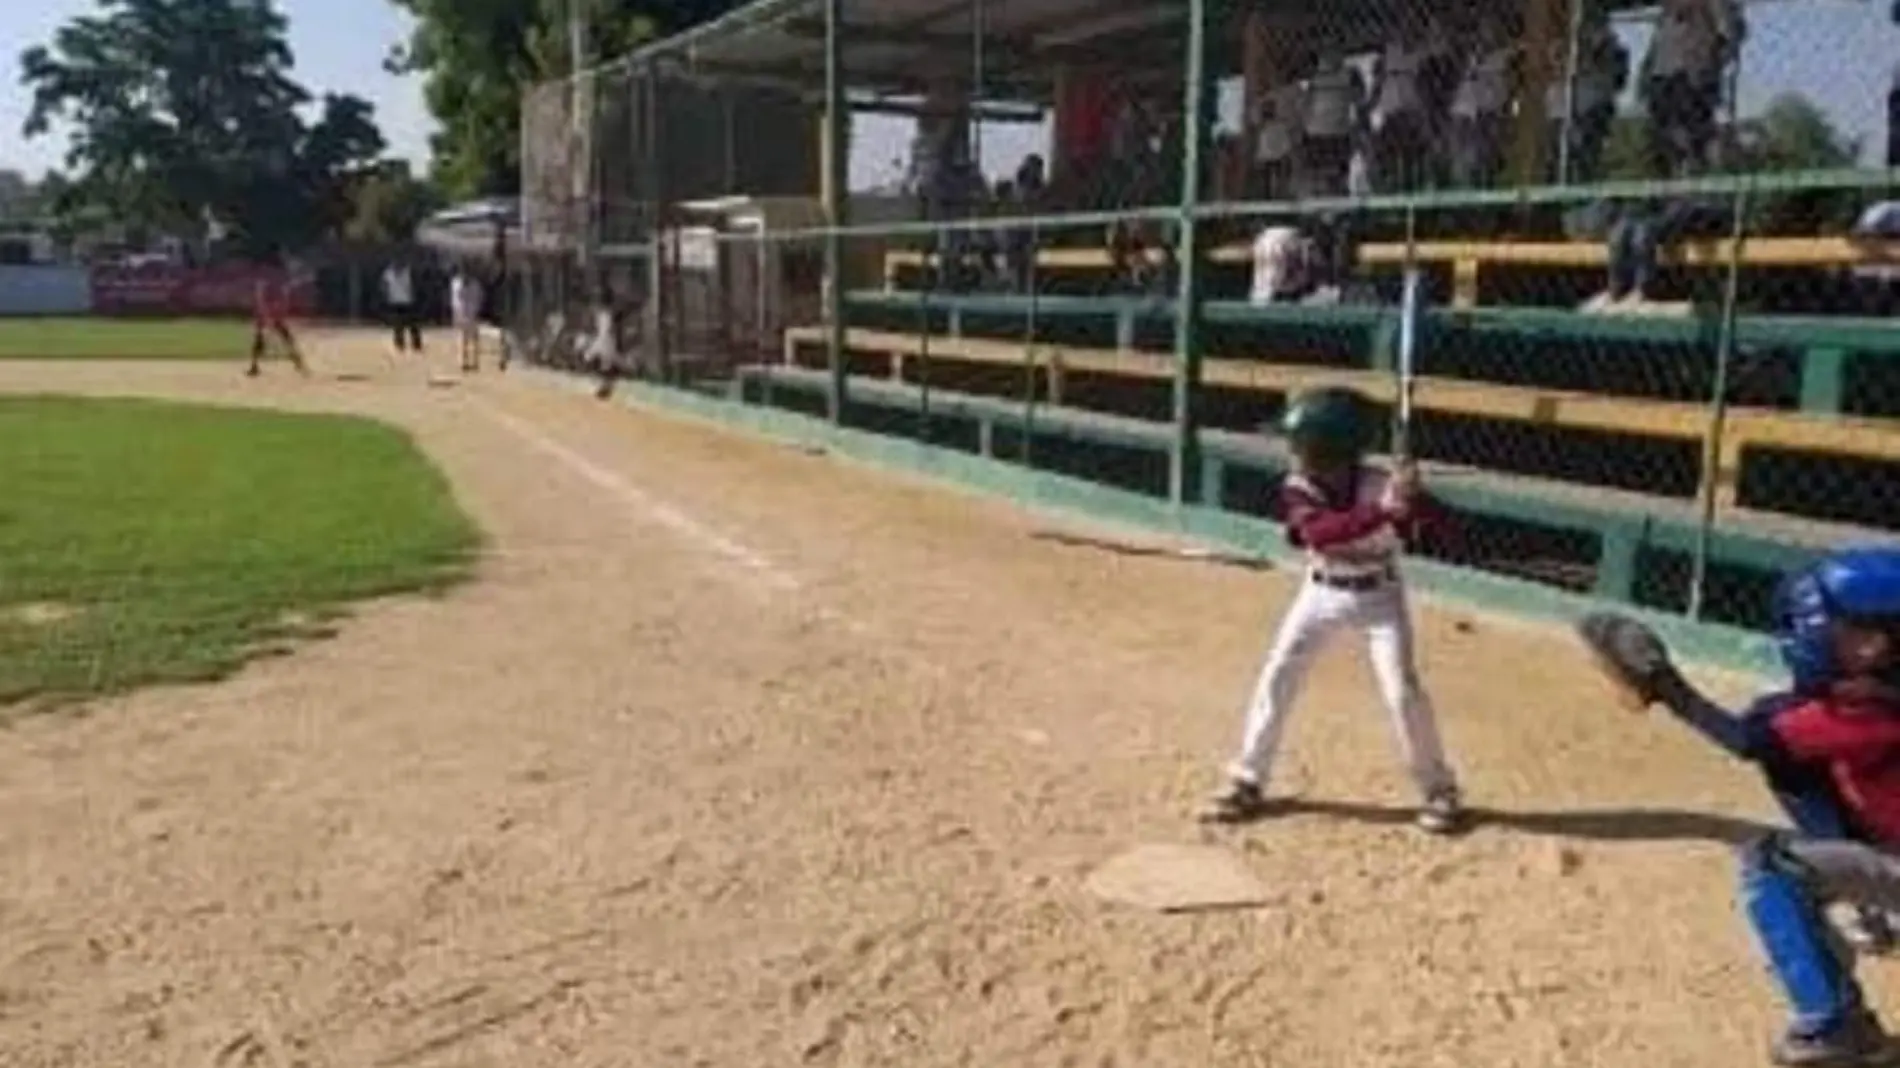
(1330, 423)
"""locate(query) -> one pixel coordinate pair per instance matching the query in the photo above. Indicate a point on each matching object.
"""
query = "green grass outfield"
(145, 541)
(123, 339)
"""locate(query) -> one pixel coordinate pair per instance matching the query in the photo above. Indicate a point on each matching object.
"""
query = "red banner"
(171, 289)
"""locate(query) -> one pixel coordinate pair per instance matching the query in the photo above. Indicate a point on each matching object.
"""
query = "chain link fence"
(1641, 261)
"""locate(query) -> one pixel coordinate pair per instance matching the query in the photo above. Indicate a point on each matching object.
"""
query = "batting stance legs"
(1318, 614)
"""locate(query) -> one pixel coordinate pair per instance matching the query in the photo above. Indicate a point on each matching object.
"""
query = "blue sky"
(339, 46)
(1841, 53)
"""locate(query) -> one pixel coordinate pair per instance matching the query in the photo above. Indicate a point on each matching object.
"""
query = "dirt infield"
(735, 755)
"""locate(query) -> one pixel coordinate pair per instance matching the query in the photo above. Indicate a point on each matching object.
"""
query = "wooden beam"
(1755, 252)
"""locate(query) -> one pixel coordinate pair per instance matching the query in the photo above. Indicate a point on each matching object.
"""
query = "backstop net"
(1617, 274)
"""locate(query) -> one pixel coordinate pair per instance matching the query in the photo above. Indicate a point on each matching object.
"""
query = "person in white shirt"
(1334, 107)
(1481, 108)
(1283, 261)
(1683, 75)
(1603, 70)
(399, 302)
(1879, 283)
(465, 307)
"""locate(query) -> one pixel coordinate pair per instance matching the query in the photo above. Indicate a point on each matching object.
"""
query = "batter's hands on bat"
(1631, 657)
(1401, 489)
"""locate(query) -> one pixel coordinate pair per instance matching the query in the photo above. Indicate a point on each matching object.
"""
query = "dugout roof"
(894, 46)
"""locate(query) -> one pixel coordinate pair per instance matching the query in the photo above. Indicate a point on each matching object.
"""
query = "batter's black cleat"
(1859, 1042)
(1239, 802)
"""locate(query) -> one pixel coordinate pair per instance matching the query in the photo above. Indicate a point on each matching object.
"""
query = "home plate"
(1178, 878)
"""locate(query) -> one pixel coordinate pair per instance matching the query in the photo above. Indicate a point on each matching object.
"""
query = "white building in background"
(27, 243)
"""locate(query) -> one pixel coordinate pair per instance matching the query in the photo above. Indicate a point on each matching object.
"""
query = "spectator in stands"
(1277, 119)
(1283, 261)
(1481, 107)
(1131, 151)
(1444, 70)
(1603, 71)
(1403, 123)
(1878, 285)
(1637, 232)
(1335, 107)
(947, 183)
(1030, 191)
(1684, 81)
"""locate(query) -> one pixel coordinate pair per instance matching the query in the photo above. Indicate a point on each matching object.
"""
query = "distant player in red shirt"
(1830, 748)
(270, 317)
(1353, 520)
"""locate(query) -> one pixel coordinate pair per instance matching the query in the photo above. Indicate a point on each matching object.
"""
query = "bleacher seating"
(1469, 261)
(1574, 445)
(1624, 546)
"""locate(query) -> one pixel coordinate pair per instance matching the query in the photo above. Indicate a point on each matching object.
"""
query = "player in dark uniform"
(1830, 747)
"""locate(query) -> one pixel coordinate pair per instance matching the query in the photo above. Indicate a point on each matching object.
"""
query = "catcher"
(1830, 745)
(1352, 519)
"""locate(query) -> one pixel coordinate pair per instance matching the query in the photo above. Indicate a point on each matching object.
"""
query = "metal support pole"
(1573, 55)
(837, 201)
(1185, 460)
(655, 326)
(582, 89)
(978, 28)
(1718, 412)
(1031, 330)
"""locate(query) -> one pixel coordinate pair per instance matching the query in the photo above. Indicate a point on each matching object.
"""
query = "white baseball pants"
(1318, 613)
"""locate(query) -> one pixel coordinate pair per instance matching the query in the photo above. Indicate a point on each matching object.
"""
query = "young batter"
(1352, 520)
(270, 317)
(1830, 745)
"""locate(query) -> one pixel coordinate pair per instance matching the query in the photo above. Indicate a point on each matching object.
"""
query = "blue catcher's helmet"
(1855, 585)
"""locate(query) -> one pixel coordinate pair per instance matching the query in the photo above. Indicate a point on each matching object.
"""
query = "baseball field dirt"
(733, 755)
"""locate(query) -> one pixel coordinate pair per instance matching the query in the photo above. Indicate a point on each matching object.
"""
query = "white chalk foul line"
(647, 505)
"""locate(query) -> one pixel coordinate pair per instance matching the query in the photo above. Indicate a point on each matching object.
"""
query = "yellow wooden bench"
(1468, 258)
(1743, 428)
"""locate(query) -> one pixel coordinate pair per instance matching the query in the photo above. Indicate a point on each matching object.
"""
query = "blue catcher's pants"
(1786, 881)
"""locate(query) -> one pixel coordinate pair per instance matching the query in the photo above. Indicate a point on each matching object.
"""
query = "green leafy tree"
(185, 119)
(1792, 134)
(387, 204)
(1789, 134)
(477, 57)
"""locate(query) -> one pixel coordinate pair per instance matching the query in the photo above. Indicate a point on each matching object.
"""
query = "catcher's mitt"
(1630, 655)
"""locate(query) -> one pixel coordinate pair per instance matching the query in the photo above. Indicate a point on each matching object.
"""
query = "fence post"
(1184, 460)
(1712, 451)
(1031, 364)
(837, 200)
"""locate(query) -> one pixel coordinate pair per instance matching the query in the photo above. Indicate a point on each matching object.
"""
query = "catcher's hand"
(1630, 655)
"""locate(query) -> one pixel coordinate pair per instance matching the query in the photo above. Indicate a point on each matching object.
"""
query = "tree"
(478, 56)
(387, 204)
(1792, 134)
(17, 197)
(186, 120)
